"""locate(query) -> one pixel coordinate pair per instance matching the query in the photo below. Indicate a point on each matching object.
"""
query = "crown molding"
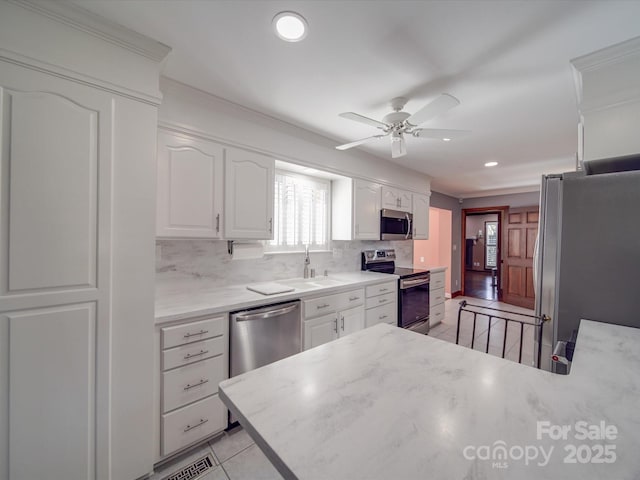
(612, 54)
(81, 19)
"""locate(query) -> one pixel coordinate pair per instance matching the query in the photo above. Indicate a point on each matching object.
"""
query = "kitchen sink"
(310, 283)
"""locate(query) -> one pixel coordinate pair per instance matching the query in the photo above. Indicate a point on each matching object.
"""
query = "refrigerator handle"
(536, 259)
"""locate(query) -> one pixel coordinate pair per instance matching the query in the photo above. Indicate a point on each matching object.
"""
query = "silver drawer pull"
(191, 355)
(382, 300)
(383, 289)
(201, 382)
(382, 317)
(324, 305)
(201, 332)
(191, 427)
(438, 298)
(353, 299)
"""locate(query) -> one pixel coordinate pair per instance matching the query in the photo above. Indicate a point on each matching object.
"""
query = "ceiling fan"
(399, 123)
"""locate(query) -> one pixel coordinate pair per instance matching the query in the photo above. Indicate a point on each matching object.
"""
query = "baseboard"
(457, 293)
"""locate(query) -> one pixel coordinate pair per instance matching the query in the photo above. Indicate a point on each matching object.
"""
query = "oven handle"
(408, 226)
(404, 284)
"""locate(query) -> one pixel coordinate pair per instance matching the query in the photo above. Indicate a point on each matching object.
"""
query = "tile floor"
(237, 456)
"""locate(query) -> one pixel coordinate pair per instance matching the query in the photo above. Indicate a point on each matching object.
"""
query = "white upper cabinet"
(396, 199)
(190, 186)
(248, 200)
(355, 210)
(420, 217)
(366, 210)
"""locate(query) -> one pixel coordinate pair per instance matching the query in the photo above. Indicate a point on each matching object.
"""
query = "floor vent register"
(194, 470)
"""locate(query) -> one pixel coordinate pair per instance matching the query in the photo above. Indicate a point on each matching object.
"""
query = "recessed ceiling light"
(446, 139)
(491, 164)
(290, 26)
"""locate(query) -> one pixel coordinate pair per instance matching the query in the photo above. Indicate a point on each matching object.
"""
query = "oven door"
(413, 297)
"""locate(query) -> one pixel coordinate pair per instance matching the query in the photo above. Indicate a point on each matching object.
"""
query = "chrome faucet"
(306, 261)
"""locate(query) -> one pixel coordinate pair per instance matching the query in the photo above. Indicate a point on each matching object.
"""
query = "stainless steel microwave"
(395, 225)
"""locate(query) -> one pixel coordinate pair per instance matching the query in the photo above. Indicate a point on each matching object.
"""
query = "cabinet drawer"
(381, 300)
(373, 290)
(192, 332)
(384, 314)
(436, 297)
(190, 383)
(436, 281)
(436, 314)
(192, 352)
(351, 299)
(189, 424)
(320, 306)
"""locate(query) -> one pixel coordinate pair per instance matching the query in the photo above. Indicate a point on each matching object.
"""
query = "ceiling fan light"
(290, 26)
(445, 139)
(491, 164)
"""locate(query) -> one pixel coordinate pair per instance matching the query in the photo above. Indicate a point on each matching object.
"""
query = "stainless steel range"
(413, 288)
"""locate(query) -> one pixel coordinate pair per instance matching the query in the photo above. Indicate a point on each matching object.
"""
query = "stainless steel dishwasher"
(264, 335)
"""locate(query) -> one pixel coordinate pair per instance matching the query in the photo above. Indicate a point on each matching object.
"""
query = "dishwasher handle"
(263, 315)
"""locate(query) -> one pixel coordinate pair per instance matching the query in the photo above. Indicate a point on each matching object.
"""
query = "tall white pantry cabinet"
(78, 122)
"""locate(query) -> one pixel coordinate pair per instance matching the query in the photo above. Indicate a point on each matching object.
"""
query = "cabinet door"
(366, 210)
(405, 201)
(248, 200)
(189, 187)
(320, 330)
(420, 217)
(350, 321)
(390, 198)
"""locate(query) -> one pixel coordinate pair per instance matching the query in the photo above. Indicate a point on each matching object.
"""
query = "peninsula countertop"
(386, 403)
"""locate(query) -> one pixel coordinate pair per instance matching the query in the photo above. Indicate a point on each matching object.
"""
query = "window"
(301, 213)
(491, 245)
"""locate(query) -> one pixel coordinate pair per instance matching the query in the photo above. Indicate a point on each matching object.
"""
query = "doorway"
(481, 275)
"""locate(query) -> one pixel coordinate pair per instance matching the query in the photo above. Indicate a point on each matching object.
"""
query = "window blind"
(301, 213)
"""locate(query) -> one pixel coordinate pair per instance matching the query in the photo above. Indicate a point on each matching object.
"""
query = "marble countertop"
(179, 299)
(386, 403)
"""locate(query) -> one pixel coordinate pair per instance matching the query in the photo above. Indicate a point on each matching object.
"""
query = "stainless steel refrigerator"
(587, 262)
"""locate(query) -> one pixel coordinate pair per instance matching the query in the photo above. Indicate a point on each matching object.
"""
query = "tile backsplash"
(210, 260)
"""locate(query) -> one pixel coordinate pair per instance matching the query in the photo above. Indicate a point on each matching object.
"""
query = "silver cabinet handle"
(271, 225)
(201, 332)
(191, 427)
(342, 322)
(382, 300)
(353, 299)
(324, 305)
(335, 325)
(382, 317)
(383, 289)
(191, 355)
(201, 382)
(218, 223)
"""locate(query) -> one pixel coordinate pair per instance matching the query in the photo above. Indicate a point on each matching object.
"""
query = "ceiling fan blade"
(362, 119)
(440, 133)
(437, 107)
(398, 146)
(357, 142)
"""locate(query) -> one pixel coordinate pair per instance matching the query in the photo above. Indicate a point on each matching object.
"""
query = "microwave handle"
(408, 227)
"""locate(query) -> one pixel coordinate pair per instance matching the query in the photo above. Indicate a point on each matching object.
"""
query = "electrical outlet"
(421, 259)
(456, 283)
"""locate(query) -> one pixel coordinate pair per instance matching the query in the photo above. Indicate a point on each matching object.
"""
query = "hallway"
(479, 285)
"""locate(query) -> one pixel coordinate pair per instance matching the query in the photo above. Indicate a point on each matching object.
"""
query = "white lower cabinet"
(436, 297)
(332, 316)
(194, 360)
(382, 304)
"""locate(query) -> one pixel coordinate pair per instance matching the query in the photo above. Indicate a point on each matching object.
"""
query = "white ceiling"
(507, 61)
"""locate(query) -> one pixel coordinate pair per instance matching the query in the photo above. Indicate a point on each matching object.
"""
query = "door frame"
(502, 212)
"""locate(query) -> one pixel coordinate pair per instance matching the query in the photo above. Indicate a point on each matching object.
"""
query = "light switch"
(455, 247)
(421, 259)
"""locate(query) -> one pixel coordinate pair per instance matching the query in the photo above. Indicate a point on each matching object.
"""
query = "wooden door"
(520, 231)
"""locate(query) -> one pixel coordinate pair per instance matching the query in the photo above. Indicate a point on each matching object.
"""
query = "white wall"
(227, 122)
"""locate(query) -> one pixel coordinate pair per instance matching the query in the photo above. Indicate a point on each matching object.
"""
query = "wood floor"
(478, 285)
